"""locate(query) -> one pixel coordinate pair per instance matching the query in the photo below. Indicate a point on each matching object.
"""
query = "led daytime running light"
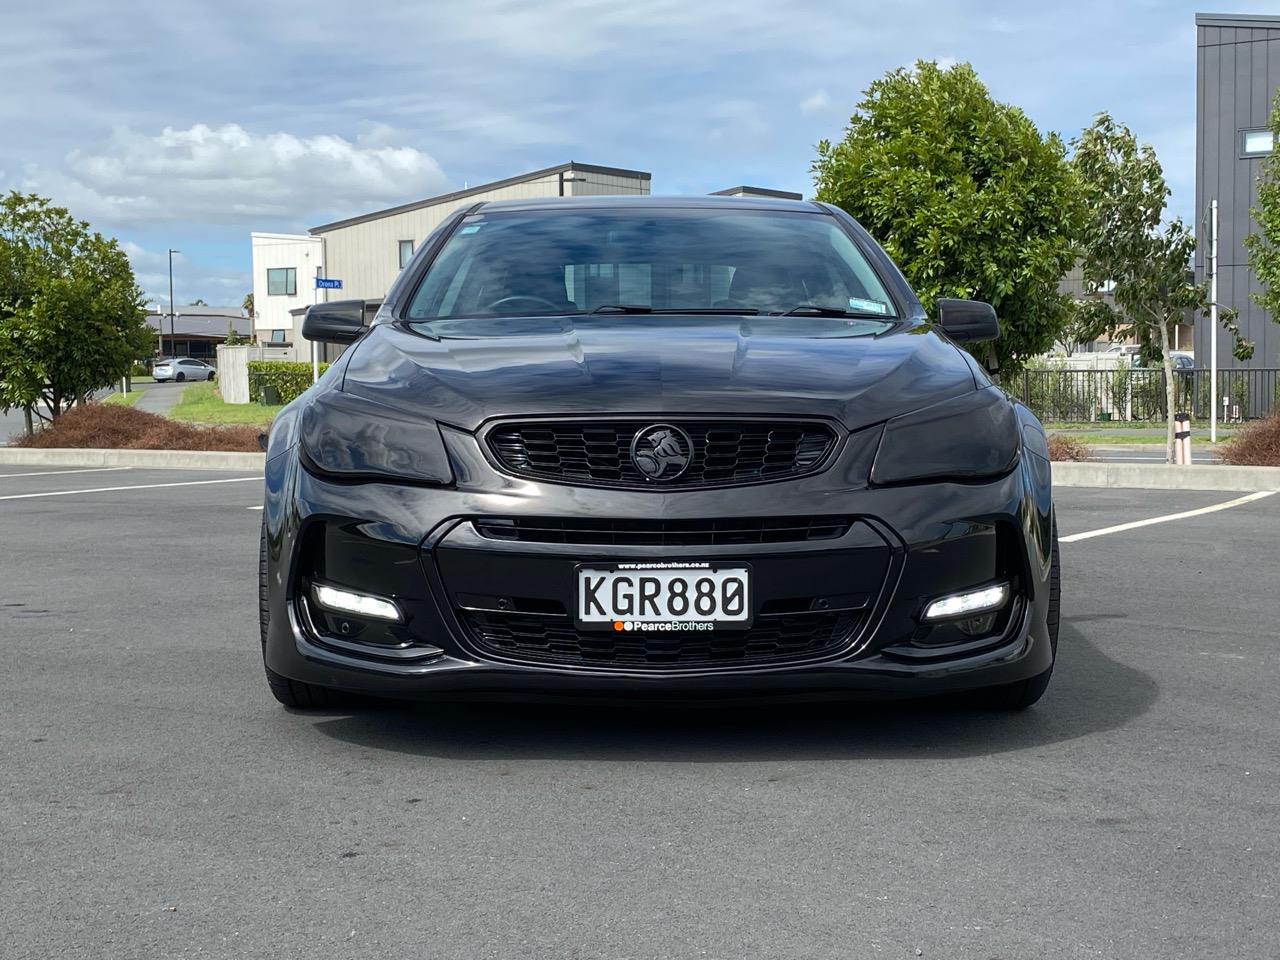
(967, 604)
(356, 603)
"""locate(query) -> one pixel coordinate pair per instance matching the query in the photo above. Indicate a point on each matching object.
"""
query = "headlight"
(354, 438)
(967, 438)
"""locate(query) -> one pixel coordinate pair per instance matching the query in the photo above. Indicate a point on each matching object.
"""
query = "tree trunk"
(1167, 362)
(26, 415)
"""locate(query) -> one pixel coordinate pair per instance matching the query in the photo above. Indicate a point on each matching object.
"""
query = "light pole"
(172, 335)
(1213, 320)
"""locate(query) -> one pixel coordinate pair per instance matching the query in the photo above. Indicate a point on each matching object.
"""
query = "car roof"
(656, 203)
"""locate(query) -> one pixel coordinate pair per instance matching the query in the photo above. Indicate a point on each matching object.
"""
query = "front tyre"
(302, 696)
(1024, 693)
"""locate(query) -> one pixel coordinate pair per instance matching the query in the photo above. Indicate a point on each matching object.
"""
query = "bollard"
(1182, 437)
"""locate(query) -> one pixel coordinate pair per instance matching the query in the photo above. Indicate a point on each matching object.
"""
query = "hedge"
(289, 379)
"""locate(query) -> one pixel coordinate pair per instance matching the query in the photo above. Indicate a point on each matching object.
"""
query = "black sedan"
(644, 447)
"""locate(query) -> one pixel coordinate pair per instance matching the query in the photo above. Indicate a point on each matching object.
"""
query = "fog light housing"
(359, 604)
(968, 604)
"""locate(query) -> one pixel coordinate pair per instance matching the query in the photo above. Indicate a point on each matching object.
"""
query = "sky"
(187, 125)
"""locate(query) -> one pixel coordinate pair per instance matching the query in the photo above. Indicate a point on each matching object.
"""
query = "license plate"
(647, 595)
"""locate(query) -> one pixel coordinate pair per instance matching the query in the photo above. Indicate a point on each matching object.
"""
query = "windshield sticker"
(470, 228)
(874, 306)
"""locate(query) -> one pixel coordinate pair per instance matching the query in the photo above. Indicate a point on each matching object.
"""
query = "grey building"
(1237, 73)
(195, 330)
(766, 192)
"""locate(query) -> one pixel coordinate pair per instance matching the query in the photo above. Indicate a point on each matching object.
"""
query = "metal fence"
(1139, 394)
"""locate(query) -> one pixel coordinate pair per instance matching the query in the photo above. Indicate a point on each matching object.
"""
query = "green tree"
(234, 339)
(1263, 245)
(965, 194)
(199, 302)
(247, 306)
(1128, 246)
(71, 315)
(1084, 324)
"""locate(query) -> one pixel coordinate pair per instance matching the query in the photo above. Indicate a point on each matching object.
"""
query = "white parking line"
(50, 473)
(1121, 527)
(136, 486)
(254, 508)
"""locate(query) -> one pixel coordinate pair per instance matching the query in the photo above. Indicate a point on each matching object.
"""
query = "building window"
(279, 336)
(1256, 143)
(406, 252)
(282, 282)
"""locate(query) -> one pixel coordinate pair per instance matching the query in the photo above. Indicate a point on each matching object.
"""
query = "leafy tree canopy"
(71, 315)
(965, 194)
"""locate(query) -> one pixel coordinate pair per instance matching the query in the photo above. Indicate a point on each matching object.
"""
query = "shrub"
(289, 379)
(1257, 445)
(139, 370)
(108, 426)
(1066, 448)
(1055, 392)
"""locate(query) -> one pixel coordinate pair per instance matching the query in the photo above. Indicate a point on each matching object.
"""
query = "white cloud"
(227, 174)
(946, 63)
(819, 100)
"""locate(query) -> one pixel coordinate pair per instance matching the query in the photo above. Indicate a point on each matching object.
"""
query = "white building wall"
(306, 255)
(366, 256)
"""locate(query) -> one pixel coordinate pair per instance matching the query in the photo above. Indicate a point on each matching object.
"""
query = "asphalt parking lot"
(156, 802)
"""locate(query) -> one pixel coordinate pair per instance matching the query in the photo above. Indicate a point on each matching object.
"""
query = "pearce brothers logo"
(661, 452)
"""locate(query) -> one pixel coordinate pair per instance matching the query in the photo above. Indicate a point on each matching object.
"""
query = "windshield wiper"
(813, 310)
(642, 308)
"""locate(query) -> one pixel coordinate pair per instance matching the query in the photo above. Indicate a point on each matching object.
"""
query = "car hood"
(466, 372)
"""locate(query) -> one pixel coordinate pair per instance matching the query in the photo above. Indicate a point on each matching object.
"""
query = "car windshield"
(650, 261)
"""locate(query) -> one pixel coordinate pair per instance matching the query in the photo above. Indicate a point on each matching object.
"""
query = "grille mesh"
(664, 533)
(551, 638)
(724, 452)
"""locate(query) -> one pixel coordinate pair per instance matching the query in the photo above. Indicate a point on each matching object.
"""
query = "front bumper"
(903, 547)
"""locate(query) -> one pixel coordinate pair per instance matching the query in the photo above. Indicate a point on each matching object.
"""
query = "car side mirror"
(968, 321)
(341, 321)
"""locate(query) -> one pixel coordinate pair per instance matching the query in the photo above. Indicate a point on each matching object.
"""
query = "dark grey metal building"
(1237, 73)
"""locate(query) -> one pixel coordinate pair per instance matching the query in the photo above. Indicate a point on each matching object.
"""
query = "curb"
(1165, 476)
(175, 459)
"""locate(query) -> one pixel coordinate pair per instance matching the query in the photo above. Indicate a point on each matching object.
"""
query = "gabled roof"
(570, 167)
(210, 324)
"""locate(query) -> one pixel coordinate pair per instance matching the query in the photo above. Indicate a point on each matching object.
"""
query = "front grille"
(663, 533)
(724, 452)
(553, 638)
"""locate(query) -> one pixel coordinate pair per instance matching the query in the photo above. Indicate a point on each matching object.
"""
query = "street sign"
(328, 283)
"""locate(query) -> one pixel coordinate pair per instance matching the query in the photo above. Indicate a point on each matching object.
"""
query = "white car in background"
(182, 368)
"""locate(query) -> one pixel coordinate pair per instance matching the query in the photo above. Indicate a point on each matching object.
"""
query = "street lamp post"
(172, 336)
